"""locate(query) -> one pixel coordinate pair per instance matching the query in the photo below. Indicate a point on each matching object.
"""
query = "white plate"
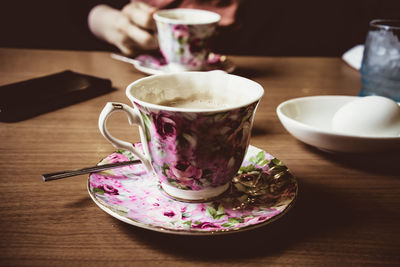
(309, 120)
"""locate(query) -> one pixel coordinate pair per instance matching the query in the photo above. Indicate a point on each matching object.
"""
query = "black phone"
(23, 100)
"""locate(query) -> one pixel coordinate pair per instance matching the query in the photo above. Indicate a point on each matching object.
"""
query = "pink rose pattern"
(137, 197)
(151, 61)
(192, 151)
(213, 62)
(187, 45)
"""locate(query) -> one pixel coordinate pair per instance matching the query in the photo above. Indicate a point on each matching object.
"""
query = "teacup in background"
(183, 36)
(194, 151)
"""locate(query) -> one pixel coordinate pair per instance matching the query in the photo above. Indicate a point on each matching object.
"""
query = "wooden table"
(347, 211)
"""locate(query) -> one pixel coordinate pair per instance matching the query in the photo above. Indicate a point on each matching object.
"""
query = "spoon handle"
(64, 174)
(125, 59)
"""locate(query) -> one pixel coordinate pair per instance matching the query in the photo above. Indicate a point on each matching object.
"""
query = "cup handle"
(133, 118)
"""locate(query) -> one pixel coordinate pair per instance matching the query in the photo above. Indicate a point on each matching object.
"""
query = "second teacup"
(184, 35)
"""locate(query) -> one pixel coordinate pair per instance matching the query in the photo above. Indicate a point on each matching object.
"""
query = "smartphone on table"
(23, 100)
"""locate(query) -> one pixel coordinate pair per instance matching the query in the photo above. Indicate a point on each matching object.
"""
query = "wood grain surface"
(347, 211)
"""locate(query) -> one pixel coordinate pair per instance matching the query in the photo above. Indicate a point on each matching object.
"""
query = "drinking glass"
(380, 68)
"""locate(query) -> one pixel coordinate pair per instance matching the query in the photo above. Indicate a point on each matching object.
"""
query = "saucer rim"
(190, 232)
(153, 71)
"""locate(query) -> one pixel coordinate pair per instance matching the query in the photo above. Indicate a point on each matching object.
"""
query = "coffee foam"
(195, 90)
(193, 103)
(180, 98)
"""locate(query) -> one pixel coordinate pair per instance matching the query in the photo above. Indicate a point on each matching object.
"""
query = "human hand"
(131, 29)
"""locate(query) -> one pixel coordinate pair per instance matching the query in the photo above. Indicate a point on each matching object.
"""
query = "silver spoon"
(68, 173)
(126, 59)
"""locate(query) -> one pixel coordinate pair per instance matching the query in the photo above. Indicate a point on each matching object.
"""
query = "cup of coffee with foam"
(194, 127)
(184, 34)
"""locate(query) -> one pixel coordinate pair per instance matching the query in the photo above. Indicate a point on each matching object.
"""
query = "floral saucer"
(154, 64)
(262, 191)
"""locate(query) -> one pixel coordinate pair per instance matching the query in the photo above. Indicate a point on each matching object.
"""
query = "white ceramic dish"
(309, 120)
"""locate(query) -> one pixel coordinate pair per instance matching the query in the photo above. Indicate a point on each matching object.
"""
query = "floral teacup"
(194, 126)
(183, 36)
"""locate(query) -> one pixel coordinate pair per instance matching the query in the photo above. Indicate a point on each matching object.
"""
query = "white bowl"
(309, 120)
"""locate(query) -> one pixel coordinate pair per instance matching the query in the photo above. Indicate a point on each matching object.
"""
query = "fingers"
(125, 45)
(143, 38)
(129, 30)
(140, 14)
(128, 48)
(131, 47)
(131, 36)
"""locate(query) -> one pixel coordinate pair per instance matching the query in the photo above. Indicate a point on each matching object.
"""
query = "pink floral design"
(185, 170)
(151, 61)
(164, 125)
(186, 44)
(180, 31)
(196, 45)
(204, 225)
(118, 157)
(110, 190)
(197, 150)
(139, 199)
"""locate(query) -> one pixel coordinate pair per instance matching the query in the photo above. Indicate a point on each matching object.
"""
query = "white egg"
(368, 116)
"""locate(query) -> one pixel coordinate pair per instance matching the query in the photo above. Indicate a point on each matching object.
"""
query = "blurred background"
(269, 28)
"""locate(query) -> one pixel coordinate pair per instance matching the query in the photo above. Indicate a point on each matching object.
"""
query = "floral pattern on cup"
(186, 45)
(195, 151)
(262, 190)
